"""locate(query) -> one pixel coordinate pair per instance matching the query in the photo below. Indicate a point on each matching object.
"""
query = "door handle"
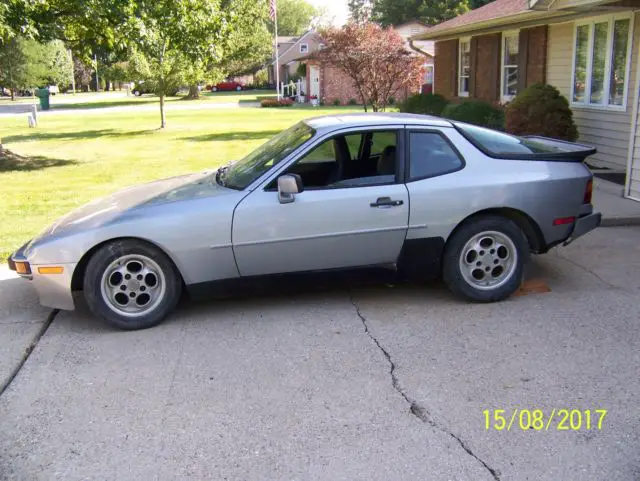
(386, 202)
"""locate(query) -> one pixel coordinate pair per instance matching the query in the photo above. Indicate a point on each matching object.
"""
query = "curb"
(619, 221)
(28, 350)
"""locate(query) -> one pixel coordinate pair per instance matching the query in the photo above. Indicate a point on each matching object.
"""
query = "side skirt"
(419, 260)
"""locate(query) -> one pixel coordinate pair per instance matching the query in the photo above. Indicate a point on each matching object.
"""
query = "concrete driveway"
(349, 383)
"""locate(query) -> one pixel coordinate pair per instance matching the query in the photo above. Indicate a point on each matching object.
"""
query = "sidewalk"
(615, 209)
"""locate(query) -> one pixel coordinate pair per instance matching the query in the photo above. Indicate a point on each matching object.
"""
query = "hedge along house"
(587, 49)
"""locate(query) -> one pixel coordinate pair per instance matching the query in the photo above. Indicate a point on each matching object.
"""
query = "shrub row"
(539, 109)
(276, 103)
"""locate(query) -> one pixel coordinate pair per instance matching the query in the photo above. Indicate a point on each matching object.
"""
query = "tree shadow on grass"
(81, 134)
(226, 136)
(10, 162)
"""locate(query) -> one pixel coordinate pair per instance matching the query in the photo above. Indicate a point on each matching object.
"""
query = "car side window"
(430, 155)
(349, 160)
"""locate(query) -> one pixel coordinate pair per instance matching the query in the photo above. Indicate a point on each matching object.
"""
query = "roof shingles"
(495, 9)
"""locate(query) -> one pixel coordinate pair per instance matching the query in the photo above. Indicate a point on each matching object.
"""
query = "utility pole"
(95, 60)
(73, 77)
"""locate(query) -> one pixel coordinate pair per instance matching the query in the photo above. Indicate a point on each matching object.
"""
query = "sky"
(336, 9)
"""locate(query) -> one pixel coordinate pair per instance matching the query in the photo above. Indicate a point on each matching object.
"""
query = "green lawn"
(72, 158)
(118, 98)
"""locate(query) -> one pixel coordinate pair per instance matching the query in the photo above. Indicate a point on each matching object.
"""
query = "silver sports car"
(415, 193)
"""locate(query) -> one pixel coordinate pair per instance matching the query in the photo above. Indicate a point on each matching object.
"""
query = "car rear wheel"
(131, 284)
(484, 259)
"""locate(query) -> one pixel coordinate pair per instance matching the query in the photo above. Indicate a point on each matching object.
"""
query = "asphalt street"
(352, 382)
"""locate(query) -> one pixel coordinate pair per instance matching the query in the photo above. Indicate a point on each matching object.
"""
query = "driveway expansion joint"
(420, 412)
(29, 349)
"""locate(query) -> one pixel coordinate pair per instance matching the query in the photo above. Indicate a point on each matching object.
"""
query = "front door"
(352, 212)
(314, 79)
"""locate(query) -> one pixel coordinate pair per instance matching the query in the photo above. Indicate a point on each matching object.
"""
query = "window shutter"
(454, 80)
(473, 61)
(523, 58)
(494, 66)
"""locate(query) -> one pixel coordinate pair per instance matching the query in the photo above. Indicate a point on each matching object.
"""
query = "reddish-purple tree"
(375, 59)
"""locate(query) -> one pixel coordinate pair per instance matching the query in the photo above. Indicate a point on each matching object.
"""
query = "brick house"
(330, 83)
(588, 49)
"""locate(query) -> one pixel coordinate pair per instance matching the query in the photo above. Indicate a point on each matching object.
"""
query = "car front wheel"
(131, 284)
(484, 259)
(214, 89)
(238, 88)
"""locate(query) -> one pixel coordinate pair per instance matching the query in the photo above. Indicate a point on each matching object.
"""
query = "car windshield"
(243, 172)
(499, 143)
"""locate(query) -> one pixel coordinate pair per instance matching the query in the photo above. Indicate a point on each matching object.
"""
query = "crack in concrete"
(28, 350)
(594, 274)
(415, 408)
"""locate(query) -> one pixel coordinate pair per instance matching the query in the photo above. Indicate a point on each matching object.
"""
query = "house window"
(304, 47)
(509, 68)
(464, 64)
(601, 62)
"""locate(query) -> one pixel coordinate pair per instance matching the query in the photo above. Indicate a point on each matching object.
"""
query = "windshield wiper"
(220, 173)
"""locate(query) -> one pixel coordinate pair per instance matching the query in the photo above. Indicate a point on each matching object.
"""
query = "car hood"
(110, 208)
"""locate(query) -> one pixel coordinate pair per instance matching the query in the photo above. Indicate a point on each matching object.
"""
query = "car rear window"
(493, 142)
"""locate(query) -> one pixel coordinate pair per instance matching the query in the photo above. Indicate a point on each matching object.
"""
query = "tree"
(26, 64)
(295, 16)
(360, 10)
(246, 47)
(374, 58)
(171, 39)
(473, 4)
(431, 12)
(82, 74)
(13, 65)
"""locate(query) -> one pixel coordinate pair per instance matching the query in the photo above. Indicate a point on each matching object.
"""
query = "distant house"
(588, 49)
(330, 83)
(290, 51)
(410, 29)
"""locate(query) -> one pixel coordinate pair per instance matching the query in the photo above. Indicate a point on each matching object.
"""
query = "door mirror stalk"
(288, 186)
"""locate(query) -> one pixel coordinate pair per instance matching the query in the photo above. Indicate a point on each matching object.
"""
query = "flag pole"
(275, 23)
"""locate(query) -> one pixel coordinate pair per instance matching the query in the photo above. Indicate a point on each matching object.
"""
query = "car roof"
(331, 122)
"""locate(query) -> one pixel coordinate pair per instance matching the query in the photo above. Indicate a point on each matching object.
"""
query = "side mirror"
(288, 186)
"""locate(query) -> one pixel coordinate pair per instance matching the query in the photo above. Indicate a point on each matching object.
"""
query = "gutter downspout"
(426, 55)
(416, 49)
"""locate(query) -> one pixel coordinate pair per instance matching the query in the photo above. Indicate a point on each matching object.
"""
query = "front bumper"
(54, 290)
(583, 225)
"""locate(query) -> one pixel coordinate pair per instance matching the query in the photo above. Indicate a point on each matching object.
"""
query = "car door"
(336, 221)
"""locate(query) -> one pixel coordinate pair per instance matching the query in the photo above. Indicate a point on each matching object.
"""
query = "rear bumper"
(584, 225)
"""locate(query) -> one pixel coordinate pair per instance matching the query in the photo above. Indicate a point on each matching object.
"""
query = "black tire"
(104, 258)
(451, 269)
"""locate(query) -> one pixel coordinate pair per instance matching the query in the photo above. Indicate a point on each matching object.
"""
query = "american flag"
(273, 11)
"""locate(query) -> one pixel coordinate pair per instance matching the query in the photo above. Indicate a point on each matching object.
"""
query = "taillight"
(564, 220)
(588, 192)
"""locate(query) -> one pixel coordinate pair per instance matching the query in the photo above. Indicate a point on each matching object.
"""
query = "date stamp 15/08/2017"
(539, 420)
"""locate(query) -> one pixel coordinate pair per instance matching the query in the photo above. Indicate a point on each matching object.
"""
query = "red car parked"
(231, 85)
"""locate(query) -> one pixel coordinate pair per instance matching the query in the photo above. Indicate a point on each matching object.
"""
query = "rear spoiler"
(563, 151)
(558, 150)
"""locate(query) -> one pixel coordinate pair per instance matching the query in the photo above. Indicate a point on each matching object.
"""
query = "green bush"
(476, 112)
(427, 104)
(391, 101)
(276, 103)
(540, 109)
(336, 102)
(353, 102)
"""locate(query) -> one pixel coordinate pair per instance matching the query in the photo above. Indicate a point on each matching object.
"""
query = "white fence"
(292, 90)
